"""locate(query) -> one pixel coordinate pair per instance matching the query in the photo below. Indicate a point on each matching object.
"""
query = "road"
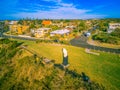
(81, 41)
(18, 37)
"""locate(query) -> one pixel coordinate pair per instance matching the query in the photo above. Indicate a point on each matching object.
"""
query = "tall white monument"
(64, 52)
(65, 57)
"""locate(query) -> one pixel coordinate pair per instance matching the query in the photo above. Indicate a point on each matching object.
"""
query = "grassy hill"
(103, 68)
(24, 71)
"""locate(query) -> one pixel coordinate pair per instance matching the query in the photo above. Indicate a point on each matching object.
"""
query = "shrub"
(4, 41)
(106, 38)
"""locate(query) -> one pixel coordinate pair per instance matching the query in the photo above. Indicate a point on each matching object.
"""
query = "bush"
(64, 42)
(10, 55)
(54, 41)
(2, 52)
(4, 41)
(46, 41)
(116, 33)
(106, 38)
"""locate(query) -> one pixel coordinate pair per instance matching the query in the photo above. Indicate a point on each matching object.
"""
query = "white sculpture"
(64, 52)
(65, 58)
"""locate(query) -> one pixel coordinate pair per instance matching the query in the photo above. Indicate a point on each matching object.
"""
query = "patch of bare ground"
(91, 52)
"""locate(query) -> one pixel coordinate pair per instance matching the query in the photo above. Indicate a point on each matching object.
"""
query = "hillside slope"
(103, 68)
(21, 70)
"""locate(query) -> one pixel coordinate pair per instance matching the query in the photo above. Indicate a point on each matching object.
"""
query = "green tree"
(116, 33)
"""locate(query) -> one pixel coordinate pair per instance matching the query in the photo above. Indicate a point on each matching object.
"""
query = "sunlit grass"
(103, 69)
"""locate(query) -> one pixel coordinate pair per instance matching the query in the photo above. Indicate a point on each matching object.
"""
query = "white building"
(40, 32)
(113, 26)
(60, 32)
(13, 22)
(70, 27)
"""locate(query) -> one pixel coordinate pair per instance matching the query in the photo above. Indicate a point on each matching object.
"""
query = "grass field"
(104, 69)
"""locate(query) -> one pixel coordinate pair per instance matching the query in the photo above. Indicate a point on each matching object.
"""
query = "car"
(87, 34)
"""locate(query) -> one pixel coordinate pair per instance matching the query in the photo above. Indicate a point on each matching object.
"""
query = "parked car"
(87, 34)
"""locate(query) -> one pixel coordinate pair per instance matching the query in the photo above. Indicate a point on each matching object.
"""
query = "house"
(20, 29)
(58, 24)
(60, 32)
(13, 22)
(41, 32)
(46, 22)
(88, 22)
(70, 27)
(112, 27)
(13, 28)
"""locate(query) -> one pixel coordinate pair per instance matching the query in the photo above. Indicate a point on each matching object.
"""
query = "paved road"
(81, 41)
(18, 37)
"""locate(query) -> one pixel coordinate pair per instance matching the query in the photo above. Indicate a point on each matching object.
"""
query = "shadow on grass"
(73, 73)
(83, 77)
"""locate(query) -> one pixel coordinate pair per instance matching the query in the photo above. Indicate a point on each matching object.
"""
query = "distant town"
(107, 30)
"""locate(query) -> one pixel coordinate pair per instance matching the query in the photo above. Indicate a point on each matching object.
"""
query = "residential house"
(58, 24)
(88, 23)
(13, 22)
(70, 27)
(46, 22)
(60, 32)
(112, 27)
(41, 32)
(13, 28)
(20, 29)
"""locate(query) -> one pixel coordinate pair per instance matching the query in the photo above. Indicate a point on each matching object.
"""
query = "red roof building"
(46, 22)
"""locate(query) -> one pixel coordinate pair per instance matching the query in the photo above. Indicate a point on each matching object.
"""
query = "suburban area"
(63, 31)
(59, 45)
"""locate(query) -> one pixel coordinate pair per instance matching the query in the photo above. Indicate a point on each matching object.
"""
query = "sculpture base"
(65, 66)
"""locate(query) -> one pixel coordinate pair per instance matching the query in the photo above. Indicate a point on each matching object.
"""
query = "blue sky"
(59, 9)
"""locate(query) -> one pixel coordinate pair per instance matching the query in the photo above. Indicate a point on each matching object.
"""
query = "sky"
(59, 9)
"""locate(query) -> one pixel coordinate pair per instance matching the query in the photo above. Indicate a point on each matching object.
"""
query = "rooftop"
(114, 23)
(46, 22)
(44, 29)
(63, 31)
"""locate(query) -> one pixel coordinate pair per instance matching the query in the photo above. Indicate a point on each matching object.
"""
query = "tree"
(116, 33)
(103, 25)
(82, 26)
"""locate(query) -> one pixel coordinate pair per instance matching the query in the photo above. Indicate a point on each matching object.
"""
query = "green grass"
(104, 69)
(21, 70)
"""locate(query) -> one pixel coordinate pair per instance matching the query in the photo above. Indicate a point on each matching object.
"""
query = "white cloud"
(62, 11)
(56, 1)
(66, 5)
